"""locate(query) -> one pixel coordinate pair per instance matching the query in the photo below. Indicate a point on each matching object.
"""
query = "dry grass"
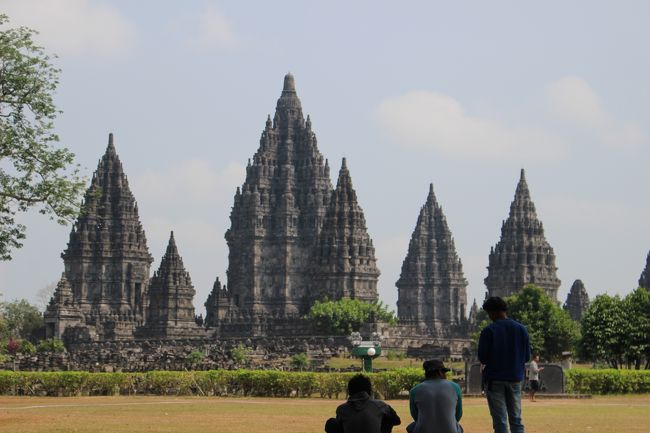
(260, 415)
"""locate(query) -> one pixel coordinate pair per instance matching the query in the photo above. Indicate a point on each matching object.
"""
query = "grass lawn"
(620, 414)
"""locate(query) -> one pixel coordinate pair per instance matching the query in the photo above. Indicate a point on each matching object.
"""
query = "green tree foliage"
(194, 357)
(617, 330)
(347, 315)
(33, 172)
(300, 361)
(51, 345)
(240, 354)
(21, 320)
(550, 328)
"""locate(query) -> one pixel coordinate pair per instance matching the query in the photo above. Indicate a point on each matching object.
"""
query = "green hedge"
(258, 383)
(611, 381)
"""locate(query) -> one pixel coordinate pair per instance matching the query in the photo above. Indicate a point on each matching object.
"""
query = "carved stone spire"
(217, 306)
(346, 265)
(432, 287)
(473, 313)
(522, 255)
(171, 312)
(577, 300)
(276, 219)
(107, 260)
(644, 280)
(62, 311)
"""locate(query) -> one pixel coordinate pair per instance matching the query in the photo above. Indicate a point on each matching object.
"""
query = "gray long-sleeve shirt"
(436, 406)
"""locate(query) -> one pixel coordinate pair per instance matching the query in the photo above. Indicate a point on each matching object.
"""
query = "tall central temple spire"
(522, 255)
(278, 214)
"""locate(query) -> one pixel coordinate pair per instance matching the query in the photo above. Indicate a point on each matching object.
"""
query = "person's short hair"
(495, 304)
(359, 383)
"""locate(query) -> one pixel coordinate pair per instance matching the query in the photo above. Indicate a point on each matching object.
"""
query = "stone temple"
(577, 300)
(644, 280)
(432, 288)
(522, 255)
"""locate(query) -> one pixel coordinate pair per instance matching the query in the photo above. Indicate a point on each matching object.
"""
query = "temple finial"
(344, 164)
(111, 145)
(289, 83)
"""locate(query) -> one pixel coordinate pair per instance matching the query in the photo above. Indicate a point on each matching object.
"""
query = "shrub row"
(258, 383)
(610, 381)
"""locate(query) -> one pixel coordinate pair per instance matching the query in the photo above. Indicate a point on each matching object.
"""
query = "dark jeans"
(504, 401)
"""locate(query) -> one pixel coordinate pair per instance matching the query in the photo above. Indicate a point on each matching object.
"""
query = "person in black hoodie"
(362, 414)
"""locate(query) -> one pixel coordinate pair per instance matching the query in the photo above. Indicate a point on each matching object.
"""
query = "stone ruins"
(293, 240)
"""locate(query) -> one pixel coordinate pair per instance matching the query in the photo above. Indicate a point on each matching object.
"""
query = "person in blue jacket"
(504, 349)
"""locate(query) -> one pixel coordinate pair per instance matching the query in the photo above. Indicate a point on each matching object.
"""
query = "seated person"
(362, 414)
(436, 403)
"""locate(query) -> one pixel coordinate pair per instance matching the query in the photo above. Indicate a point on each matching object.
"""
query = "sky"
(459, 94)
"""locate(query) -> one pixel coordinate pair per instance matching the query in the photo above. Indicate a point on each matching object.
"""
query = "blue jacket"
(504, 348)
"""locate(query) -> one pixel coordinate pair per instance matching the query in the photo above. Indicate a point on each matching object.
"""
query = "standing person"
(361, 414)
(504, 348)
(533, 376)
(436, 404)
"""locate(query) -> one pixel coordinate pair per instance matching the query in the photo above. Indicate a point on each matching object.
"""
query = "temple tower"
(522, 255)
(644, 280)
(577, 300)
(277, 215)
(62, 311)
(107, 260)
(345, 264)
(432, 287)
(170, 312)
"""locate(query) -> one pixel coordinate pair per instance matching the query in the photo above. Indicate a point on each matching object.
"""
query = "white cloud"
(428, 120)
(74, 27)
(214, 30)
(572, 100)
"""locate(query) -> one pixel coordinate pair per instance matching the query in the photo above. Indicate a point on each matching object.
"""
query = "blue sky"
(461, 94)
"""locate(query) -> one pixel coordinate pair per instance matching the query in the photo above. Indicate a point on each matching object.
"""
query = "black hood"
(358, 400)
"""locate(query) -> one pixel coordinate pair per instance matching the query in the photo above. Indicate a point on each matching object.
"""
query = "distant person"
(362, 414)
(436, 404)
(533, 376)
(504, 348)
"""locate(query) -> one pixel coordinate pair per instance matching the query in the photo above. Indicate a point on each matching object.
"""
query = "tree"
(637, 334)
(33, 172)
(550, 328)
(23, 320)
(347, 315)
(604, 326)
(300, 361)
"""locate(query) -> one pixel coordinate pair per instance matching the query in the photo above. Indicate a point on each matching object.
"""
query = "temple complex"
(577, 300)
(522, 255)
(432, 288)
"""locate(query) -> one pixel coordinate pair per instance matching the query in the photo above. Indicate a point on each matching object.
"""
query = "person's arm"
(484, 345)
(529, 352)
(412, 406)
(459, 403)
(390, 417)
